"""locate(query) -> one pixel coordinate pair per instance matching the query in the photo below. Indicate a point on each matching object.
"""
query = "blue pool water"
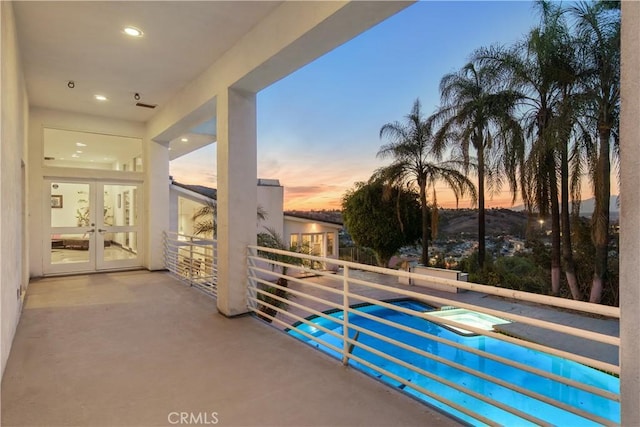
(575, 397)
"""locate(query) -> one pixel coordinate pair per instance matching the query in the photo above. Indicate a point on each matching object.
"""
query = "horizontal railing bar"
(424, 391)
(402, 380)
(307, 309)
(479, 374)
(350, 343)
(293, 316)
(446, 382)
(582, 333)
(275, 319)
(491, 290)
(188, 236)
(299, 293)
(585, 387)
(502, 337)
(302, 268)
(298, 280)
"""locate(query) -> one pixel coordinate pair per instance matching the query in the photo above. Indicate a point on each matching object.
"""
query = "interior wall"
(41, 118)
(14, 107)
(73, 196)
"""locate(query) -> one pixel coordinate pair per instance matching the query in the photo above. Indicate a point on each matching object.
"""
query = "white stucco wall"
(630, 216)
(14, 111)
(156, 202)
(41, 118)
(271, 198)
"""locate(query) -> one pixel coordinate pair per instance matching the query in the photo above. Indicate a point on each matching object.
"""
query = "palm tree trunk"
(555, 225)
(277, 292)
(481, 221)
(600, 220)
(567, 251)
(425, 223)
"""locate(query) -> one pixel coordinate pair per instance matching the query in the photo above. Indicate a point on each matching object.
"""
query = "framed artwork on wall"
(56, 201)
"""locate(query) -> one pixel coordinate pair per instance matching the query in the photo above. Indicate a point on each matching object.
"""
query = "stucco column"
(630, 216)
(156, 196)
(237, 195)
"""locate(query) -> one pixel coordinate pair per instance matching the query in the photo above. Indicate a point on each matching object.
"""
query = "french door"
(91, 226)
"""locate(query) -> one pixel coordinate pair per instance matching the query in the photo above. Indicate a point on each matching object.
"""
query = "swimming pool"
(575, 397)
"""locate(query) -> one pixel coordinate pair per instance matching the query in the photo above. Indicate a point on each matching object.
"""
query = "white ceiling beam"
(290, 37)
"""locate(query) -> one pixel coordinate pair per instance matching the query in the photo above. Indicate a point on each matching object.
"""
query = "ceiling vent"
(143, 105)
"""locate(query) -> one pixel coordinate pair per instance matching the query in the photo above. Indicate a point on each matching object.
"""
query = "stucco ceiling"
(84, 42)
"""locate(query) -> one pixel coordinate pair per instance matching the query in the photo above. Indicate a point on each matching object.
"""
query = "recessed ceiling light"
(100, 97)
(133, 31)
(169, 148)
(75, 156)
(184, 140)
(80, 144)
(79, 151)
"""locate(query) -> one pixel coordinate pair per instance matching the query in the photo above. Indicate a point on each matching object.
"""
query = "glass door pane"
(118, 226)
(71, 223)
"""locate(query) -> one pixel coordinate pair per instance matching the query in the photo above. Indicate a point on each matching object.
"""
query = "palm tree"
(598, 26)
(271, 239)
(205, 219)
(476, 113)
(411, 147)
(538, 69)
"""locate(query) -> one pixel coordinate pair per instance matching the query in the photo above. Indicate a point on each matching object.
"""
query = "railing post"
(345, 317)
(191, 261)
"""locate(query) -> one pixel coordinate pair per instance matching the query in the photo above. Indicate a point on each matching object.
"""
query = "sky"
(318, 128)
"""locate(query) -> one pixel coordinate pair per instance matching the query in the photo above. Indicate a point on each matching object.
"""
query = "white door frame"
(94, 234)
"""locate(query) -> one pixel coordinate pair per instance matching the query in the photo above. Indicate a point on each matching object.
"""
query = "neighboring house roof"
(212, 193)
(305, 217)
(209, 192)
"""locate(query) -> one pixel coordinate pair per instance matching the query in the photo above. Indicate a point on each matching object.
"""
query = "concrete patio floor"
(128, 349)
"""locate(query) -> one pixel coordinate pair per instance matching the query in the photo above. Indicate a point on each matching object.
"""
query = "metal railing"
(290, 307)
(192, 260)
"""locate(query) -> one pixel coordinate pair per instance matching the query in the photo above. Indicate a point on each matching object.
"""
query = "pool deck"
(603, 352)
(130, 349)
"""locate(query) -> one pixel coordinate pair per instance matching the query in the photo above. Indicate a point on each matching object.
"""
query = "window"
(85, 150)
(294, 242)
(312, 243)
(330, 240)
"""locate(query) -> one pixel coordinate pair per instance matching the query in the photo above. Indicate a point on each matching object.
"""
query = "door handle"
(91, 231)
(101, 230)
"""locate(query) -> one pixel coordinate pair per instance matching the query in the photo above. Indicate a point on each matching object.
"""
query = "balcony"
(130, 348)
(141, 348)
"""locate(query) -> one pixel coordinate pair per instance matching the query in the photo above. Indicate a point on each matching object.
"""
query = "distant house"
(320, 236)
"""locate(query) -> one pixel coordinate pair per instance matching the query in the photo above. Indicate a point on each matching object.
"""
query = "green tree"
(598, 26)
(381, 218)
(414, 153)
(477, 113)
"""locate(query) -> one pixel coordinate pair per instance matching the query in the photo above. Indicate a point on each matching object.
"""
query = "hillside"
(587, 207)
(453, 222)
